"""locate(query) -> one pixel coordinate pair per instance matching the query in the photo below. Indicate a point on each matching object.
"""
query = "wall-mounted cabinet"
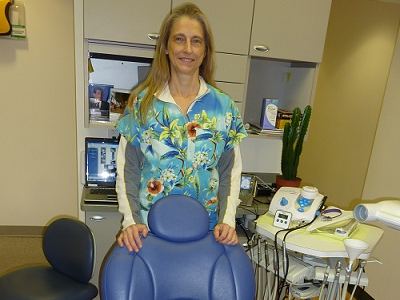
(133, 21)
(290, 30)
(124, 20)
(293, 31)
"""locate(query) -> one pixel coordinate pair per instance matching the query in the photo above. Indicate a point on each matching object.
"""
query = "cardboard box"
(282, 118)
(269, 113)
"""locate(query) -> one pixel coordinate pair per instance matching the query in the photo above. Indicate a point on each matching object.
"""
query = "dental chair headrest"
(178, 218)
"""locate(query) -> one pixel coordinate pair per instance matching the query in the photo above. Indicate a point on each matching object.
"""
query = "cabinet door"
(128, 21)
(231, 68)
(231, 76)
(230, 22)
(292, 30)
(105, 227)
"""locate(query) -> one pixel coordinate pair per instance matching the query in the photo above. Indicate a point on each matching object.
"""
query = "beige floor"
(18, 251)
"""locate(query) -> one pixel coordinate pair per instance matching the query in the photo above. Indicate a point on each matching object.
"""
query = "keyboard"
(103, 191)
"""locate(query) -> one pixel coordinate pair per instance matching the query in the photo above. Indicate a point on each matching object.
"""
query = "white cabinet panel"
(261, 154)
(234, 90)
(231, 68)
(124, 20)
(230, 22)
(292, 30)
(105, 227)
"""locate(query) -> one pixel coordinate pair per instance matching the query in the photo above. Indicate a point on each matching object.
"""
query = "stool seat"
(68, 245)
(43, 282)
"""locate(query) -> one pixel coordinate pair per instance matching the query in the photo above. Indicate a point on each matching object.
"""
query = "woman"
(181, 134)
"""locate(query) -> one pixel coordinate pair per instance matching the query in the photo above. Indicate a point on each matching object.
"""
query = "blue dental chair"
(180, 259)
(68, 245)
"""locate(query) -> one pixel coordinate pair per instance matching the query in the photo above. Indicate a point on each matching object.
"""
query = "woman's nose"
(188, 47)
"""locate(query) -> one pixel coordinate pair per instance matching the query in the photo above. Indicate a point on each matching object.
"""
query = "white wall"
(37, 117)
(383, 183)
(352, 151)
(351, 86)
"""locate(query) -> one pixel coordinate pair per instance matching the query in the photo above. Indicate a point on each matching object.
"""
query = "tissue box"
(268, 113)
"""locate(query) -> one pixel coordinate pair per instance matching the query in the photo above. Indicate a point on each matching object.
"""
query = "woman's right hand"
(130, 236)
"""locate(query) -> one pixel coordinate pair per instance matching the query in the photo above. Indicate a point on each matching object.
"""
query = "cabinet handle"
(97, 218)
(153, 36)
(261, 48)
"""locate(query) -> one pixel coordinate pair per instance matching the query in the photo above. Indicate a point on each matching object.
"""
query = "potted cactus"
(292, 146)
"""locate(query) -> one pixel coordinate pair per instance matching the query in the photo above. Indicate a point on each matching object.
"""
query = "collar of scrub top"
(331, 213)
(166, 96)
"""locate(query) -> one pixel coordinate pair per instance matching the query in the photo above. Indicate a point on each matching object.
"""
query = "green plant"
(292, 142)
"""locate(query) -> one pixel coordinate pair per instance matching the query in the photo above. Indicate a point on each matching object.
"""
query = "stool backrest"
(69, 247)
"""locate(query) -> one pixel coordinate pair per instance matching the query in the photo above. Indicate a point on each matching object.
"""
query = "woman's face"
(186, 47)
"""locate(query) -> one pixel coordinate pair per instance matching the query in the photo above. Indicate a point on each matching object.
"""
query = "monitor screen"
(245, 183)
(101, 157)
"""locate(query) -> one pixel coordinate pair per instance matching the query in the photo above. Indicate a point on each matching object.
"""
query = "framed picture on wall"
(118, 102)
(99, 102)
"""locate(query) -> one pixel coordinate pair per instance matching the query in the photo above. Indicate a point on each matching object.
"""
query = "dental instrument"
(333, 291)
(354, 249)
(324, 281)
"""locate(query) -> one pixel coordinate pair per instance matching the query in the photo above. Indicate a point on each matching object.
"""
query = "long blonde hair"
(160, 70)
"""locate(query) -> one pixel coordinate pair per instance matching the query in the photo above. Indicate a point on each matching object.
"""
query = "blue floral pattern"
(181, 152)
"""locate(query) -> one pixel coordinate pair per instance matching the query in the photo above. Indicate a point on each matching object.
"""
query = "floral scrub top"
(180, 153)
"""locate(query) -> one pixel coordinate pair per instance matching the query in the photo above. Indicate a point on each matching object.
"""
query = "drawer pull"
(97, 218)
(153, 36)
(261, 48)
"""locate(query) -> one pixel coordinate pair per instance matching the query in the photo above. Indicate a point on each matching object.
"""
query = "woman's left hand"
(225, 234)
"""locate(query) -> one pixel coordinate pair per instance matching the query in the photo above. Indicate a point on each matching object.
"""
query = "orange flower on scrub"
(154, 187)
(212, 201)
(191, 129)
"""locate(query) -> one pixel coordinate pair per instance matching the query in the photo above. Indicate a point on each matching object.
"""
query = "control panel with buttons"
(302, 203)
(282, 219)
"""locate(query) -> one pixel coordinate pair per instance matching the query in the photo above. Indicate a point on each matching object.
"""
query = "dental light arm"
(387, 211)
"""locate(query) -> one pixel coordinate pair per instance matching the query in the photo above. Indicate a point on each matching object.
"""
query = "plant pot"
(280, 182)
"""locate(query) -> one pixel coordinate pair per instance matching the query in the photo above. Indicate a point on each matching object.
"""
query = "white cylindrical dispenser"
(17, 20)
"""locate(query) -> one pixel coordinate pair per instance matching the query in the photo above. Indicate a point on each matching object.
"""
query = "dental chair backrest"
(180, 259)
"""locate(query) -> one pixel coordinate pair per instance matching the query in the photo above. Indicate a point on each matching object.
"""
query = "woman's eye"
(196, 42)
(179, 39)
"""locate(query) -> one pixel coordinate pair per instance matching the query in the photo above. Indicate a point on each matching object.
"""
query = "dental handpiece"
(334, 290)
(349, 269)
(360, 271)
(324, 281)
(284, 261)
(266, 254)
